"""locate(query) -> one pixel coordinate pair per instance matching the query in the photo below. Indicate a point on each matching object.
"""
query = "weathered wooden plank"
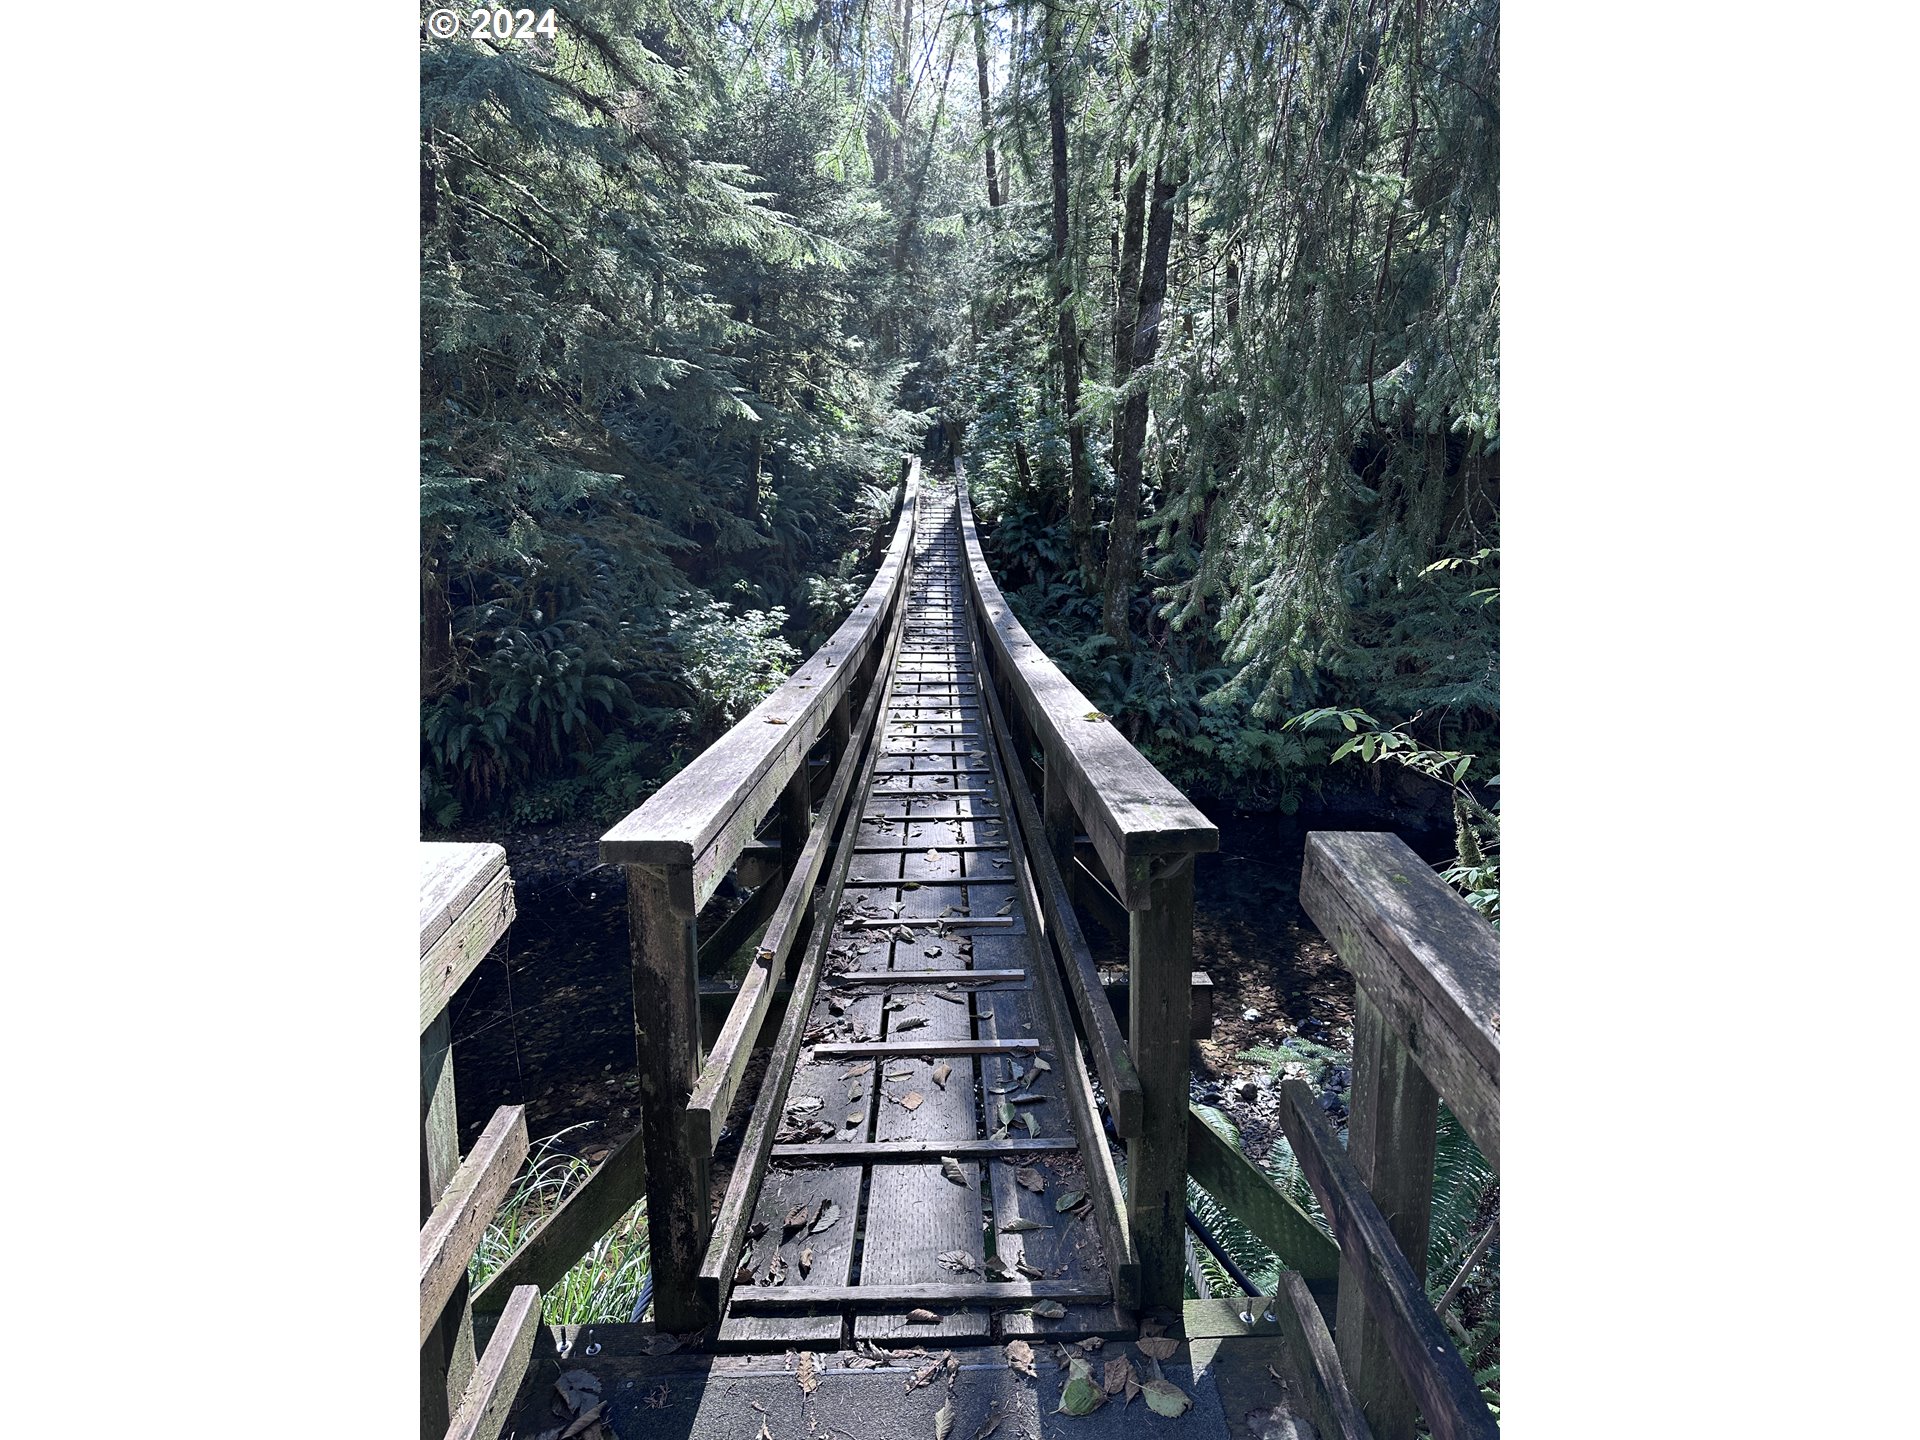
(720, 1078)
(488, 1398)
(1256, 1202)
(685, 818)
(734, 931)
(1391, 1129)
(446, 1355)
(1110, 1056)
(923, 1049)
(1336, 1412)
(1424, 956)
(882, 1151)
(875, 1297)
(464, 943)
(666, 1013)
(737, 1206)
(452, 875)
(555, 1247)
(1130, 809)
(852, 978)
(1160, 969)
(1449, 1401)
(452, 1233)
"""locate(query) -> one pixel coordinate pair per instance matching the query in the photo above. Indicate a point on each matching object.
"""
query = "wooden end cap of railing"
(1133, 814)
(700, 820)
(1428, 960)
(466, 904)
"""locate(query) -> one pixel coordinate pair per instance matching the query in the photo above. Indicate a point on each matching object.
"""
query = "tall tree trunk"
(1022, 468)
(902, 61)
(1079, 484)
(1123, 539)
(1126, 282)
(986, 105)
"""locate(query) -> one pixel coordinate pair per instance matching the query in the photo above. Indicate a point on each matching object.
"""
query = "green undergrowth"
(604, 1286)
(1466, 1195)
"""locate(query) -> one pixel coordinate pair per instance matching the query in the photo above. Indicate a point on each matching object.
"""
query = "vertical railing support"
(1058, 820)
(447, 1355)
(666, 1014)
(1160, 979)
(1393, 1119)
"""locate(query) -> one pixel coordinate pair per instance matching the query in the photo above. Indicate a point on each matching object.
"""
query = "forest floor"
(547, 1022)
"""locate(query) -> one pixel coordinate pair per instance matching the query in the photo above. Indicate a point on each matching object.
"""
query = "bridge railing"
(1145, 834)
(466, 904)
(676, 850)
(1426, 970)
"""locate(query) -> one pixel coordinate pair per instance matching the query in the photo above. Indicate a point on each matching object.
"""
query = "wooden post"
(666, 1017)
(446, 1355)
(1161, 980)
(840, 726)
(796, 817)
(1393, 1118)
(1058, 820)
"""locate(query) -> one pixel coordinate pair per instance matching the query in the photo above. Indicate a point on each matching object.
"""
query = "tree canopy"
(1206, 296)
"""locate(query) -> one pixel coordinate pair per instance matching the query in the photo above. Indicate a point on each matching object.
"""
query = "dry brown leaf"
(1157, 1347)
(912, 1100)
(1028, 1178)
(922, 1317)
(806, 1261)
(1020, 1357)
(940, 1074)
(1119, 1374)
(809, 1375)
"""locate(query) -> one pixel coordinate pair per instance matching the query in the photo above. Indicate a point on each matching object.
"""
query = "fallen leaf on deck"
(912, 1022)
(586, 1422)
(923, 1376)
(1021, 1225)
(1167, 1398)
(940, 1074)
(854, 1117)
(1020, 1357)
(1119, 1371)
(950, 1168)
(798, 1218)
(1049, 1309)
(1069, 1200)
(777, 1272)
(1040, 1064)
(943, 1421)
(922, 1317)
(1157, 1347)
(912, 1100)
(1006, 907)
(578, 1388)
(1080, 1395)
(809, 1377)
(806, 1261)
(829, 1214)
(1032, 1272)
(1033, 1126)
(959, 1261)
(1029, 1178)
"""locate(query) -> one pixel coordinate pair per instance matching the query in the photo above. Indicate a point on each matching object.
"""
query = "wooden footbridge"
(927, 1162)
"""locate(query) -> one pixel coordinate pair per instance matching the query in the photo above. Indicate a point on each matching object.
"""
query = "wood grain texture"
(1111, 1059)
(881, 1295)
(464, 942)
(1391, 1132)
(451, 877)
(666, 1011)
(1305, 1329)
(1256, 1202)
(1128, 807)
(890, 1151)
(487, 1402)
(1160, 969)
(452, 1232)
(1424, 956)
(1442, 1387)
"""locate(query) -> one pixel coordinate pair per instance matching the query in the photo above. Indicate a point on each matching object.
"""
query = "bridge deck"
(927, 1142)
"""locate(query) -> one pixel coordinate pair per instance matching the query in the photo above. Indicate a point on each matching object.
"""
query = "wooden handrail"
(700, 820)
(1423, 956)
(1133, 814)
(452, 1233)
(1441, 1384)
(466, 904)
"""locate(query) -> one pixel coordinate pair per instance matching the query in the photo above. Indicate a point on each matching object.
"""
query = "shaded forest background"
(1205, 294)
